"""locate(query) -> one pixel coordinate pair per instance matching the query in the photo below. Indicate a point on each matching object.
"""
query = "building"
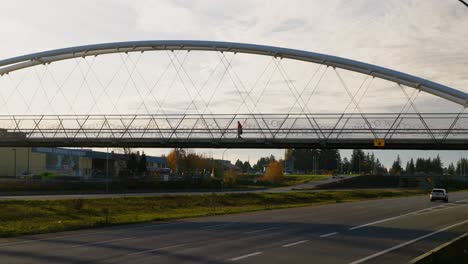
(84, 163)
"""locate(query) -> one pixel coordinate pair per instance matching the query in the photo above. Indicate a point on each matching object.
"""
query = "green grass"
(20, 217)
(295, 179)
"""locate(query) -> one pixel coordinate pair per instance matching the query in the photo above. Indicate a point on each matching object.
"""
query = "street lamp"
(14, 162)
(107, 170)
(222, 163)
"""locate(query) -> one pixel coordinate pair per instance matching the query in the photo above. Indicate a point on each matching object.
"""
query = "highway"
(378, 231)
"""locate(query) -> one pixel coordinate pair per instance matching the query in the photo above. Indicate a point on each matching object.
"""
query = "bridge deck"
(342, 143)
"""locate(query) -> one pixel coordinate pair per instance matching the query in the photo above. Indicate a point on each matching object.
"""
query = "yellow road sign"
(379, 142)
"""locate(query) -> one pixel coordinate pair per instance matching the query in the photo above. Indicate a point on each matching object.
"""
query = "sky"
(423, 38)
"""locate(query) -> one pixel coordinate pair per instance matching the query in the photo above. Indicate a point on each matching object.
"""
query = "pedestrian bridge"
(193, 93)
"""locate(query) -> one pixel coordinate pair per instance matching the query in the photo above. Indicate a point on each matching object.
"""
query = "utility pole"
(107, 170)
(14, 162)
(222, 162)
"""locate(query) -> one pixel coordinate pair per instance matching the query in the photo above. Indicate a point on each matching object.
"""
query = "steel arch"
(46, 57)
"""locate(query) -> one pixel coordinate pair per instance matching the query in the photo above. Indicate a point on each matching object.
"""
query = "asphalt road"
(379, 231)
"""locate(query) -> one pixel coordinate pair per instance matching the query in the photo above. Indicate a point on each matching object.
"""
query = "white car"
(439, 194)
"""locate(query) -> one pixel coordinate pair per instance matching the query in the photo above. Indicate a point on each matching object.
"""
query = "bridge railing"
(325, 126)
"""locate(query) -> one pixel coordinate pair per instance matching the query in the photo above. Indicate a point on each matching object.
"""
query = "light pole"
(29, 152)
(14, 162)
(107, 170)
(222, 163)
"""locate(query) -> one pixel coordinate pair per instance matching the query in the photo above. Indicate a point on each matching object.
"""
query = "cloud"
(423, 38)
(290, 25)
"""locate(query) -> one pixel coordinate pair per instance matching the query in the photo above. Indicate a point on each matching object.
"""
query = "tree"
(171, 160)
(263, 162)
(410, 168)
(142, 163)
(230, 177)
(132, 163)
(358, 161)
(246, 167)
(379, 168)
(346, 165)
(451, 169)
(396, 166)
(436, 165)
(330, 159)
(274, 172)
(239, 165)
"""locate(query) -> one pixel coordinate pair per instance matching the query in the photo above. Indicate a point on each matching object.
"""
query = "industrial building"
(84, 163)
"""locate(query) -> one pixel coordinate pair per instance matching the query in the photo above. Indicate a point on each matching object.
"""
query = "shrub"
(274, 172)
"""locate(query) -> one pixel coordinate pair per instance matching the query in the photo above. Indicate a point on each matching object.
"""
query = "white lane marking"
(403, 215)
(246, 256)
(102, 242)
(329, 234)
(215, 226)
(260, 230)
(155, 249)
(86, 234)
(295, 243)
(407, 243)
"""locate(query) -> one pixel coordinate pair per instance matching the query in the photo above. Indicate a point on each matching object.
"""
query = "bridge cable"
(229, 66)
(404, 111)
(355, 103)
(420, 116)
(60, 86)
(355, 108)
(193, 101)
(455, 121)
(301, 94)
(105, 87)
(303, 107)
(247, 96)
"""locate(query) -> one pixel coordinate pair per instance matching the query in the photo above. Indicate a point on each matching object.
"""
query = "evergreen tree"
(410, 168)
(246, 167)
(239, 165)
(451, 169)
(132, 162)
(357, 161)
(396, 166)
(346, 165)
(142, 164)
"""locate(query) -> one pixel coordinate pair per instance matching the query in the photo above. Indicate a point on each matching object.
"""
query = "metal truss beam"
(440, 131)
(342, 143)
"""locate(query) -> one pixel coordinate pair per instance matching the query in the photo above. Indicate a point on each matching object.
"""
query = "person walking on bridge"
(239, 129)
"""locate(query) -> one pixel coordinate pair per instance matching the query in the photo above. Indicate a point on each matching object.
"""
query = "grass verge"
(21, 217)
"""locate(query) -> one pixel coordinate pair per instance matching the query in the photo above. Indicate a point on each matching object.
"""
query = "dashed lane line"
(245, 256)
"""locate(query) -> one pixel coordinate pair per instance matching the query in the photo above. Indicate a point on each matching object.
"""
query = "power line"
(463, 2)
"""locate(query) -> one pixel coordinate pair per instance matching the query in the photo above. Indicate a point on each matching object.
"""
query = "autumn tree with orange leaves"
(274, 172)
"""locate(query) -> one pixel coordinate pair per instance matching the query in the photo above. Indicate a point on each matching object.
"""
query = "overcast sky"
(426, 38)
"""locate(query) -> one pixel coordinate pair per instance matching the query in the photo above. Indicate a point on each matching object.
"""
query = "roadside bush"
(230, 177)
(274, 172)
